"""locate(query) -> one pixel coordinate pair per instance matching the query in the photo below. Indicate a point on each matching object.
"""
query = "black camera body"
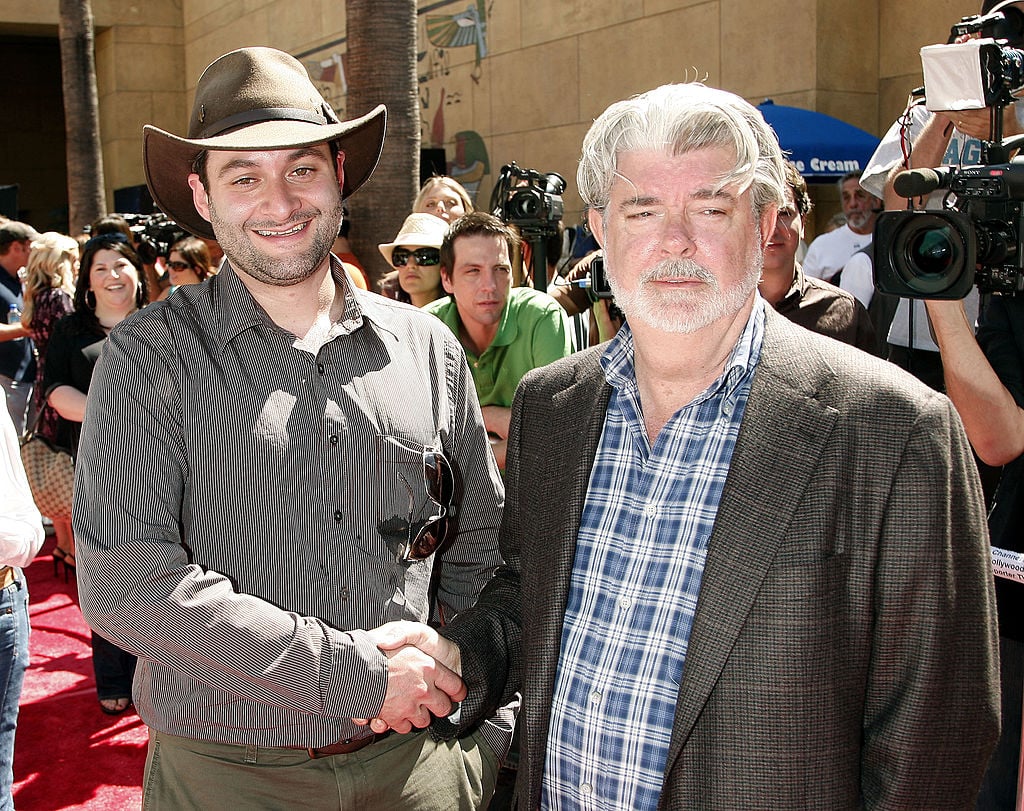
(1001, 61)
(942, 254)
(154, 234)
(528, 199)
(597, 286)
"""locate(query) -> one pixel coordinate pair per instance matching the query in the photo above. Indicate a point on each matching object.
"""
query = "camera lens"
(931, 252)
(525, 205)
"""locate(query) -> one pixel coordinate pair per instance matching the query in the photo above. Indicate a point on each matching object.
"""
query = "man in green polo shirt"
(505, 332)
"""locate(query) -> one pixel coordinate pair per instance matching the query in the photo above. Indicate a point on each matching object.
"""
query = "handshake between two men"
(424, 676)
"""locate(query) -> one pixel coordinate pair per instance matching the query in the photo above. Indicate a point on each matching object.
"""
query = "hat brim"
(168, 158)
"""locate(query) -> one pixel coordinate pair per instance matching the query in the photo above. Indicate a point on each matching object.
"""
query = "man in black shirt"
(17, 360)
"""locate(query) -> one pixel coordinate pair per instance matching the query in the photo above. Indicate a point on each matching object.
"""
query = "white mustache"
(678, 269)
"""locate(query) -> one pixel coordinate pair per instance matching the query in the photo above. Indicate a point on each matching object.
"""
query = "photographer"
(596, 318)
(922, 138)
(983, 372)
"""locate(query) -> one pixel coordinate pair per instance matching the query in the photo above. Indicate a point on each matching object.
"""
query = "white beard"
(685, 310)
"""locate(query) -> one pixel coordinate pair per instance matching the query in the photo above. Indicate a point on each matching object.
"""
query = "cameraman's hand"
(975, 123)
(574, 299)
(978, 123)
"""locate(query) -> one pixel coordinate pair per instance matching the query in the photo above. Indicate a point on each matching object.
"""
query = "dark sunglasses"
(178, 265)
(426, 257)
(440, 486)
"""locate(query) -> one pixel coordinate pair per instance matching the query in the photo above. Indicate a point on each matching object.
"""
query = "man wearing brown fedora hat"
(276, 468)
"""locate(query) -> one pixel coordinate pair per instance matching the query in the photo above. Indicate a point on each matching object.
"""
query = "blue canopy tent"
(822, 147)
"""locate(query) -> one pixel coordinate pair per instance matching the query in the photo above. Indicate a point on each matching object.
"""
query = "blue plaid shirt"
(639, 561)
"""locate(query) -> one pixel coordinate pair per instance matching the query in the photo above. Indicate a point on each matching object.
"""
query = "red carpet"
(68, 754)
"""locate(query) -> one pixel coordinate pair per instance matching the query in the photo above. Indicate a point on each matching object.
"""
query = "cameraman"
(603, 317)
(937, 141)
(984, 377)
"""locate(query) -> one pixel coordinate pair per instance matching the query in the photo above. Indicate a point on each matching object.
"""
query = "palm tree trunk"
(381, 67)
(86, 194)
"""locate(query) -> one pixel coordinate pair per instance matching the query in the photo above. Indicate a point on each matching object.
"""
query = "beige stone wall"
(549, 68)
(139, 72)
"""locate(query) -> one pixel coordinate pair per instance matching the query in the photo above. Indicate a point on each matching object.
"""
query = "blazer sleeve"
(931, 710)
(488, 634)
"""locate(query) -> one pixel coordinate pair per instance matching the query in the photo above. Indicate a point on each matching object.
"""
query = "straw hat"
(254, 99)
(420, 230)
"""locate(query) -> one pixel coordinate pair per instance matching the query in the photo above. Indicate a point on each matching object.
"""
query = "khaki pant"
(400, 772)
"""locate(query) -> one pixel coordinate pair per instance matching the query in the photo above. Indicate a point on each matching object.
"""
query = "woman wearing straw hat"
(416, 256)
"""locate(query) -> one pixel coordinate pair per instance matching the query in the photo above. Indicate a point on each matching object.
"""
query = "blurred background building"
(498, 80)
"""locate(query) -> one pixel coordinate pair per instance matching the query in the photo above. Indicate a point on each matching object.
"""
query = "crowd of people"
(700, 544)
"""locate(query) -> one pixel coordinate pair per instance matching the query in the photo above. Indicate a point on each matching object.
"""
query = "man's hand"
(978, 123)
(423, 676)
(394, 635)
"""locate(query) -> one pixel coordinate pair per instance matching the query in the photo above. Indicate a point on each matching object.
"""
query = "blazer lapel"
(783, 429)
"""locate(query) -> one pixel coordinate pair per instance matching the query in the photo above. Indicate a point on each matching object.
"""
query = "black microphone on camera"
(921, 182)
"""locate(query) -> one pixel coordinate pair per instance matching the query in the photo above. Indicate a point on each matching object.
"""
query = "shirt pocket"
(399, 504)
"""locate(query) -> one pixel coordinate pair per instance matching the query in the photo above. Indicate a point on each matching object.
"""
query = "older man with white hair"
(755, 574)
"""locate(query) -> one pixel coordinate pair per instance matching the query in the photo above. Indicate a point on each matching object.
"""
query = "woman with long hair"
(49, 288)
(443, 197)
(111, 286)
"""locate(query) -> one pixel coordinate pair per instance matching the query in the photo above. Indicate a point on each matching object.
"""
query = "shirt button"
(595, 697)
(320, 368)
(334, 439)
(651, 510)
(586, 789)
(625, 602)
(337, 516)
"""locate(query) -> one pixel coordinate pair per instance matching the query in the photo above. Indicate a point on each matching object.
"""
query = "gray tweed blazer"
(844, 651)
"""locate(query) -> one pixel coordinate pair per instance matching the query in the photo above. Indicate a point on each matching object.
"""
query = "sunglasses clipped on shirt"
(425, 257)
(439, 484)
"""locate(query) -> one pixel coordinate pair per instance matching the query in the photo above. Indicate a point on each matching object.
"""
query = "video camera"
(154, 234)
(978, 235)
(528, 199)
(532, 202)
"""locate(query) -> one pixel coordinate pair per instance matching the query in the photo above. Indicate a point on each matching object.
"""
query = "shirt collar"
(617, 359)
(797, 288)
(237, 310)
(508, 328)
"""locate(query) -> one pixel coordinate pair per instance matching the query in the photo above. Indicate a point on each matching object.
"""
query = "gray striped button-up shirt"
(239, 503)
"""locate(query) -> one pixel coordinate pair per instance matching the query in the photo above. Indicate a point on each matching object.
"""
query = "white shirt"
(21, 527)
(830, 252)
(858, 278)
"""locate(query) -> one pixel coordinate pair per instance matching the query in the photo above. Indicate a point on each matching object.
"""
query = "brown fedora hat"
(248, 100)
